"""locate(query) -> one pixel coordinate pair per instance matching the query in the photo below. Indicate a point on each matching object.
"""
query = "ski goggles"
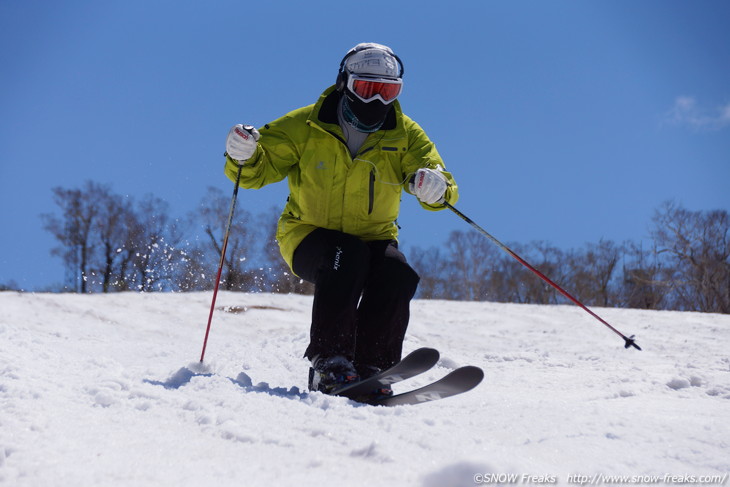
(368, 89)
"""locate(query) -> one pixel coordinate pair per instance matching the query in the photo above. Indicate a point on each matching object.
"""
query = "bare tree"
(212, 218)
(592, 272)
(696, 245)
(151, 247)
(643, 286)
(110, 231)
(546, 258)
(432, 267)
(108, 243)
(74, 230)
(471, 262)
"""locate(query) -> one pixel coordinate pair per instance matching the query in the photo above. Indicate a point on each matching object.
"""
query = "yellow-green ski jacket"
(329, 188)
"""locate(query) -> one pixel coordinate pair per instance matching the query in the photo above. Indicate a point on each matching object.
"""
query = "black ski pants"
(362, 296)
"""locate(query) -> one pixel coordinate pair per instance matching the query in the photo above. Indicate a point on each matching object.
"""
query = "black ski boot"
(366, 371)
(328, 374)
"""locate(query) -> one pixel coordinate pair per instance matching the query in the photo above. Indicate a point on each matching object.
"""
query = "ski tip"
(630, 342)
(431, 353)
(425, 350)
(471, 373)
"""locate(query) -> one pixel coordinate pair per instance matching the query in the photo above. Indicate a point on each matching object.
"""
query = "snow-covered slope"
(106, 390)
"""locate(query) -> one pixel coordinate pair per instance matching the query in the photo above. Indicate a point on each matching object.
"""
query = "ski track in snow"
(107, 390)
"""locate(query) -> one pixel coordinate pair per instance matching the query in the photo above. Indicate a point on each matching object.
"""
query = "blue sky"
(563, 121)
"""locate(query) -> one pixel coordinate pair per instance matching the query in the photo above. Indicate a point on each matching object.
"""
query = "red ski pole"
(629, 341)
(220, 266)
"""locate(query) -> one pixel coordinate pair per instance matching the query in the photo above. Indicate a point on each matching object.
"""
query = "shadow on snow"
(184, 375)
(178, 379)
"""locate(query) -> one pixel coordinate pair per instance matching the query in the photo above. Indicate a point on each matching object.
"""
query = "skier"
(347, 158)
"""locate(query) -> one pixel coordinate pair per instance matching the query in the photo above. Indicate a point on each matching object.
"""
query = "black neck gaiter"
(365, 117)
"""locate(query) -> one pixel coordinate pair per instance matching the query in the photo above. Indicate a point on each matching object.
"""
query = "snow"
(107, 390)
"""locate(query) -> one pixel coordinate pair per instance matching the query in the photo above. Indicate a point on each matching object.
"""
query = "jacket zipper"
(371, 192)
(371, 188)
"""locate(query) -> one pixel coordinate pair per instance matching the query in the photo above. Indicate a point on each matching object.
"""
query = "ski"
(456, 382)
(415, 363)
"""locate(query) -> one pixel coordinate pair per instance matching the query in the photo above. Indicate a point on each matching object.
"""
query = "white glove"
(241, 142)
(429, 186)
